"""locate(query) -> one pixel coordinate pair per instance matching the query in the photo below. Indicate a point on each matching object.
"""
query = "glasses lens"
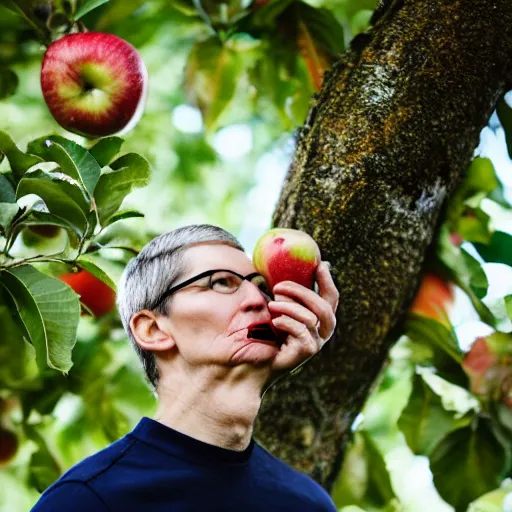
(224, 282)
(260, 282)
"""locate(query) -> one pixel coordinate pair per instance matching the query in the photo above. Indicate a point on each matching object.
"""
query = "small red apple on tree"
(434, 297)
(489, 368)
(94, 84)
(94, 293)
(287, 255)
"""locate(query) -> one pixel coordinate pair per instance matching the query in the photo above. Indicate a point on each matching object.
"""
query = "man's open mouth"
(262, 332)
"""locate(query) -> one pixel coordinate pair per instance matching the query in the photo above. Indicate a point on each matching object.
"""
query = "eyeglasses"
(222, 281)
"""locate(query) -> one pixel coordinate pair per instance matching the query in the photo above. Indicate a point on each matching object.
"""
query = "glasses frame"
(207, 273)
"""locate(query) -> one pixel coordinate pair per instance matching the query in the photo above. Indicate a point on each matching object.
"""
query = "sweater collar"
(185, 447)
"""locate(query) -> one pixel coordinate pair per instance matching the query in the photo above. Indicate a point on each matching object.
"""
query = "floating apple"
(94, 84)
(433, 298)
(94, 293)
(287, 255)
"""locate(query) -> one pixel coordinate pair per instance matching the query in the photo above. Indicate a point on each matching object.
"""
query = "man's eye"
(224, 283)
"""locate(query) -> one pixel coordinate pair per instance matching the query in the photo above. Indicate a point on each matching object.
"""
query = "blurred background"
(227, 90)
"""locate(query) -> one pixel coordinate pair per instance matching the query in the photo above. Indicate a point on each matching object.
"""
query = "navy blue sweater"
(155, 468)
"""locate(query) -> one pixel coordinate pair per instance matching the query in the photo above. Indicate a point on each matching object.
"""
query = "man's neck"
(219, 411)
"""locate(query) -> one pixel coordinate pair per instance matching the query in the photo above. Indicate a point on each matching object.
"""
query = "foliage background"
(224, 164)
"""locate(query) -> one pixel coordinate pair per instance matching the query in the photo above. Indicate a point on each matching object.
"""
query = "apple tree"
(386, 104)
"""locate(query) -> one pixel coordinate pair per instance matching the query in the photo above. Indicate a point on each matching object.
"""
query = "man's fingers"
(326, 286)
(310, 300)
(300, 332)
(295, 311)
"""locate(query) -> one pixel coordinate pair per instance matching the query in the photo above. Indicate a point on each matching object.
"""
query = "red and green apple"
(287, 255)
(94, 84)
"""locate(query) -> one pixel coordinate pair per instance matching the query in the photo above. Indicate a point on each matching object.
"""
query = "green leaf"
(380, 489)
(8, 83)
(466, 272)
(480, 176)
(323, 26)
(505, 116)
(125, 214)
(494, 501)
(425, 421)
(475, 228)
(13, 346)
(50, 312)
(212, 73)
(73, 159)
(426, 330)
(7, 193)
(360, 21)
(89, 263)
(106, 149)
(266, 16)
(62, 198)
(43, 469)
(477, 277)
(88, 6)
(128, 172)
(464, 214)
(8, 212)
(508, 306)
(128, 386)
(121, 235)
(498, 250)
(19, 161)
(466, 464)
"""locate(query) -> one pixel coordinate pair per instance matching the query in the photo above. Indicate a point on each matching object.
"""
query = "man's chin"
(256, 352)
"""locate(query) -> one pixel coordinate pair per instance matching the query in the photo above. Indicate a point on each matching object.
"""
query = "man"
(205, 327)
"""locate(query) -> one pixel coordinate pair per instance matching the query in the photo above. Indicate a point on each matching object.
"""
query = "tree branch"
(387, 139)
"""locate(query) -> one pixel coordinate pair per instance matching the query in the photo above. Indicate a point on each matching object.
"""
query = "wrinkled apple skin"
(94, 84)
(287, 255)
(94, 293)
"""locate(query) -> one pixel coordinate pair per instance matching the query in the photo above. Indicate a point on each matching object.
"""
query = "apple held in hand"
(94, 84)
(287, 255)
(94, 293)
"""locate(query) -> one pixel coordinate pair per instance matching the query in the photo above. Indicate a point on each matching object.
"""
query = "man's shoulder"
(101, 462)
(293, 481)
(73, 487)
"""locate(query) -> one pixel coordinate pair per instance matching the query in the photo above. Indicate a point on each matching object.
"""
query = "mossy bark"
(386, 141)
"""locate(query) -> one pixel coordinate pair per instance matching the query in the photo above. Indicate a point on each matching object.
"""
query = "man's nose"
(252, 297)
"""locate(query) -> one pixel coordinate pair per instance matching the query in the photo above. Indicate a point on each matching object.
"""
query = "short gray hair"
(156, 268)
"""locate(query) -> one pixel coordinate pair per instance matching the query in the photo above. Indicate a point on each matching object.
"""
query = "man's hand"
(307, 319)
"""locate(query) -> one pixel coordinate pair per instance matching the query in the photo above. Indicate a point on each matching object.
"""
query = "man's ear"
(150, 331)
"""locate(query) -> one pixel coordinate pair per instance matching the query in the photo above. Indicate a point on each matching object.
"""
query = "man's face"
(211, 328)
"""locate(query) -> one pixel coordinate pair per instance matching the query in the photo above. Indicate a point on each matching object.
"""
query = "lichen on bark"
(386, 141)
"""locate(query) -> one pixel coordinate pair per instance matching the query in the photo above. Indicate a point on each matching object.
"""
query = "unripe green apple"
(94, 84)
(287, 255)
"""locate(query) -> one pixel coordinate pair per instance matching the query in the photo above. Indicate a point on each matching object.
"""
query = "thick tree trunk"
(387, 139)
